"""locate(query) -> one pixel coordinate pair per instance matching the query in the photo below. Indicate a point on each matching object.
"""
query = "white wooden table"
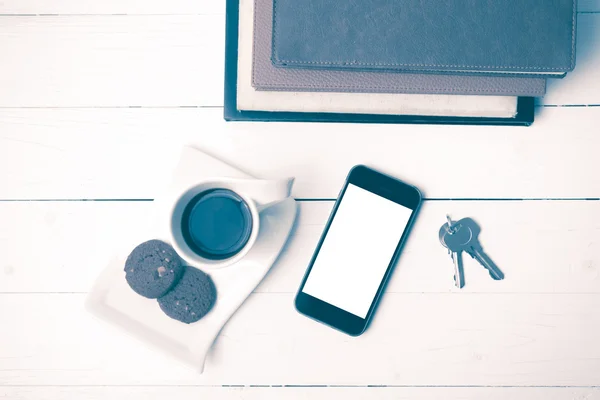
(96, 99)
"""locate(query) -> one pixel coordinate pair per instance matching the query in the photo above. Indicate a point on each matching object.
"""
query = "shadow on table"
(588, 54)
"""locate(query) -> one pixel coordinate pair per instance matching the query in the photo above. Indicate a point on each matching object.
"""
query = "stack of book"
(395, 61)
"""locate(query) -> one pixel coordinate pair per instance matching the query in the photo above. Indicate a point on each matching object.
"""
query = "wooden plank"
(295, 393)
(127, 153)
(145, 6)
(62, 247)
(111, 7)
(100, 61)
(167, 61)
(424, 340)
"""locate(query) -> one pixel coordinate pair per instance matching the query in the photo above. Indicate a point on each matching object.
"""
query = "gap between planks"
(300, 200)
(277, 392)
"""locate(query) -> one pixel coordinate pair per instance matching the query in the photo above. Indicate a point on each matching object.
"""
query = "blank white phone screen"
(357, 250)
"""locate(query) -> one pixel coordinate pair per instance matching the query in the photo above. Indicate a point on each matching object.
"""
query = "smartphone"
(358, 249)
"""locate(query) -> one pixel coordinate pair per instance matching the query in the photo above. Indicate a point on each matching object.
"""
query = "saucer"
(112, 300)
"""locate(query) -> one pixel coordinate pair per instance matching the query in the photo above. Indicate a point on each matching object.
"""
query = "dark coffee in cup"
(216, 224)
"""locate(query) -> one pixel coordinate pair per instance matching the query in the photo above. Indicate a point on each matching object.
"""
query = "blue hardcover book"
(519, 37)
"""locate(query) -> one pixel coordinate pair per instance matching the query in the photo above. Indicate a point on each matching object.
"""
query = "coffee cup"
(214, 224)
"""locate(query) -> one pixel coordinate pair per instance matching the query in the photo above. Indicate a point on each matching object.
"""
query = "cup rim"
(176, 237)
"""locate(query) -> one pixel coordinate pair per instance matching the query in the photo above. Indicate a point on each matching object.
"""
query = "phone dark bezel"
(381, 185)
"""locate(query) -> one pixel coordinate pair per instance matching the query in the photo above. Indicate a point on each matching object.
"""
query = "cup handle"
(262, 207)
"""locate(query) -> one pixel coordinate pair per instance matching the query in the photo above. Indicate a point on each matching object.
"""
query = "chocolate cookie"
(191, 299)
(153, 268)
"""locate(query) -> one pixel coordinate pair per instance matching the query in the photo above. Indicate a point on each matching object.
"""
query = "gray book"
(458, 36)
(267, 77)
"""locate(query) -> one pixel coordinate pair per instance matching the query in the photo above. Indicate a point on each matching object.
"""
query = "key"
(451, 229)
(474, 249)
